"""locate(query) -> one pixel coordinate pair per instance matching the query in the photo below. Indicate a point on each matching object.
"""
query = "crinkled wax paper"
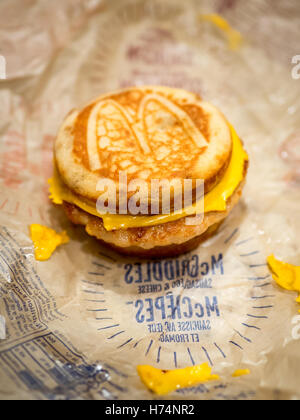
(78, 325)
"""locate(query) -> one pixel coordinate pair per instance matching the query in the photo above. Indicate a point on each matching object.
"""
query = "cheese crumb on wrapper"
(286, 275)
(234, 37)
(241, 372)
(162, 382)
(46, 241)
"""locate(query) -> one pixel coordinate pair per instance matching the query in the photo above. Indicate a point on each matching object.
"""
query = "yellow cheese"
(162, 382)
(46, 241)
(215, 200)
(286, 275)
(241, 372)
(234, 37)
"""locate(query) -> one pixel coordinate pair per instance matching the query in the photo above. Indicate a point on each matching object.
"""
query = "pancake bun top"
(146, 132)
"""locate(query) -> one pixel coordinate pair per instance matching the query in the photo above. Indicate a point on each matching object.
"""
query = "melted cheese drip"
(234, 37)
(162, 382)
(45, 241)
(286, 275)
(215, 200)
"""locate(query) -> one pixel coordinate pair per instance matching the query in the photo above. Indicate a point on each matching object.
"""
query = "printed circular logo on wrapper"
(211, 305)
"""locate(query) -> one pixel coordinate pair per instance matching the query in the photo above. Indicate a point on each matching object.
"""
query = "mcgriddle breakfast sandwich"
(149, 171)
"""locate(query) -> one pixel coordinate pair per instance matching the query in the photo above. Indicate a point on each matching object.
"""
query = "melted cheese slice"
(162, 382)
(214, 201)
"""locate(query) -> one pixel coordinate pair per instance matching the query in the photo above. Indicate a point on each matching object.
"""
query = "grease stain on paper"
(286, 275)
